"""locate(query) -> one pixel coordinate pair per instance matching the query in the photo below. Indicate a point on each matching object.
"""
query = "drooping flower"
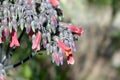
(36, 41)
(64, 48)
(54, 3)
(70, 59)
(2, 77)
(75, 30)
(67, 51)
(14, 41)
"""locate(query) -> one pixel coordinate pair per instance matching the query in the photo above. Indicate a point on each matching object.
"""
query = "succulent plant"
(42, 22)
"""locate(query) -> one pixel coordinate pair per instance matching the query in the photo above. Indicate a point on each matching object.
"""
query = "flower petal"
(12, 44)
(64, 48)
(75, 30)
(14, 41)
(2, 77)
(54, 3)
(70, 59)
(36, 42)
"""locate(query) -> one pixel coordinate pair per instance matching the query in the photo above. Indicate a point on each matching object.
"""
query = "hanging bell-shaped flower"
(36, 41)
(2, 77)
(75, 30)
(70, 59)
(66, 50)
(14, 41)
(54, 3)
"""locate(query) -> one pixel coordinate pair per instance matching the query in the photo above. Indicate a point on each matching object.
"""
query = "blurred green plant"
(115, 38)
(100, 2)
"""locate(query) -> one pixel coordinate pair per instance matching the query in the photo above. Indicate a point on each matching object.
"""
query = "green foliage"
(100, 2)
(115, 37)
(26, 71)
(61, 75)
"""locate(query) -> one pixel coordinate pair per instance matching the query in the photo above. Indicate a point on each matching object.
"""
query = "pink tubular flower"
(75, 30)
(54, 3)
(36, 42)
(29, 2)
(70, 59)
(15, 41)
(67, 51)
(64, 48)
(2, 77)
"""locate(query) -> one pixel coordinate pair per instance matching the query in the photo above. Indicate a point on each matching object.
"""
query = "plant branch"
(21, 62)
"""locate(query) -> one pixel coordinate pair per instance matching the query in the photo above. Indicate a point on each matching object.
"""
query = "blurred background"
(98, 49)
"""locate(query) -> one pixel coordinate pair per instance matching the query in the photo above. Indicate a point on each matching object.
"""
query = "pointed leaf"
(33, 25)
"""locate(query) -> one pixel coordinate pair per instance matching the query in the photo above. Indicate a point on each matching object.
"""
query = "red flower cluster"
(44, 26)
(67, 51)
